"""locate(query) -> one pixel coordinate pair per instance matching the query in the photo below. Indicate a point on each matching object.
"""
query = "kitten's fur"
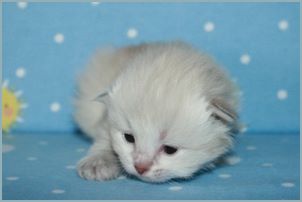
(163, 94)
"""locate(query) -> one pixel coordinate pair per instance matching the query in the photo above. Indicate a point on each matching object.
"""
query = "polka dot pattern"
(31, 158)
(55, 107)
(267, 165)
(251, 148)
(22, 5)
(245, 59)
(224, 176)
(288, 184)
(12, 178)
(175, 188)
(233, 160)
(230, 176)
(71, 167)
(95, 3)
(239, 51)
(58, 191)
(20, 72)
(261, 55)
(132, 33)
(282, 94)
(59, 38)
(209, 26)
(7, 148)
(283, 25)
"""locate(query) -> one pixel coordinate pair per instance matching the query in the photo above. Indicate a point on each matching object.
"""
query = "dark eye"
(129, 138)
(169, 150)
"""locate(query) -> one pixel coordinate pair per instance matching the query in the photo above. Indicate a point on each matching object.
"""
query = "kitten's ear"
(102, 97)
(223, 111)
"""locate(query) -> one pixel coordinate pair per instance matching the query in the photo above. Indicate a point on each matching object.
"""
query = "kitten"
(159, 110)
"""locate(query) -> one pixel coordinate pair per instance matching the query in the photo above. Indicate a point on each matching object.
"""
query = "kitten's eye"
(169, 150)
(129, 137)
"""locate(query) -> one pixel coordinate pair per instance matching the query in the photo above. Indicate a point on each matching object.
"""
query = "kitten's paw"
(97, 168)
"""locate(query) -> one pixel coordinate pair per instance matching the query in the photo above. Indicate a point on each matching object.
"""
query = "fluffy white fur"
(163, 94)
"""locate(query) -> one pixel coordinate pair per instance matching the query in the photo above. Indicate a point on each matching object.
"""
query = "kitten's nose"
(141, 168)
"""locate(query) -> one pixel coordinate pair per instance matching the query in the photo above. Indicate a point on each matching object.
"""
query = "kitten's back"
(102, 69)
(107, 64)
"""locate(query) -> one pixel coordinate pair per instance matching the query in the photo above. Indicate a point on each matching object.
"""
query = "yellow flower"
(11, 106)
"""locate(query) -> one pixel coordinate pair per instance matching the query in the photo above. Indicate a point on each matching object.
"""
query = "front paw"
(98, 168)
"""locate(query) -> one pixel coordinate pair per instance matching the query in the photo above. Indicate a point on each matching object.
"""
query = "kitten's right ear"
(223, 112)
(102, 97)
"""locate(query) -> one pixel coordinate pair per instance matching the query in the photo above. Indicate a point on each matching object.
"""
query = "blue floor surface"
(42, 166)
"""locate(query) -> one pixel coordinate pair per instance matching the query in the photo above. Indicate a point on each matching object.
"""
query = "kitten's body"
(162, 94)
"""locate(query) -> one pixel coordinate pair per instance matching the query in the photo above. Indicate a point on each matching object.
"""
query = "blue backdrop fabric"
(45, 45)
(43, 167)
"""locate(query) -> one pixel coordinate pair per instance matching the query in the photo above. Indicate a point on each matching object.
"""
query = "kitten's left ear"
(102, 97)
(223, 111)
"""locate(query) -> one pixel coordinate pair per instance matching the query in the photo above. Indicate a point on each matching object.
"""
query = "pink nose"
(142, 168)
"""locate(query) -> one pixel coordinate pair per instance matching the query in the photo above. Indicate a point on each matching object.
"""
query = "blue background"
(40, 154)
(251, 178)
(240, 28)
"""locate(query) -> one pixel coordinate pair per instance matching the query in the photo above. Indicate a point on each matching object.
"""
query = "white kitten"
(162, 110)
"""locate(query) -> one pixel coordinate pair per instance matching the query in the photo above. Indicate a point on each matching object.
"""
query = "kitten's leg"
(100, 163)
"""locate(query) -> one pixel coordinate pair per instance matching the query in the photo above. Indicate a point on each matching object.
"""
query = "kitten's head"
(159, 143)
(163, 126)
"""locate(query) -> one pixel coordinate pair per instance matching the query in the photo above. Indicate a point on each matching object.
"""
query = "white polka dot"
(287, 184)
(7, 148)
(55, 107)
(224, 176)
(95, 3)
(70, 167)
(232, 160)
(282, 94)
(251, 148)
(31, 158)
(283, 25)
(209, 26)
(122, 177)
(175, 188)
(245, 59)
(132, 33)
(22, 5)
(20, 72)
(12, 178)
(59, 38)
(43, 143)
(80, 150)
(266, 165)
(58, 191)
